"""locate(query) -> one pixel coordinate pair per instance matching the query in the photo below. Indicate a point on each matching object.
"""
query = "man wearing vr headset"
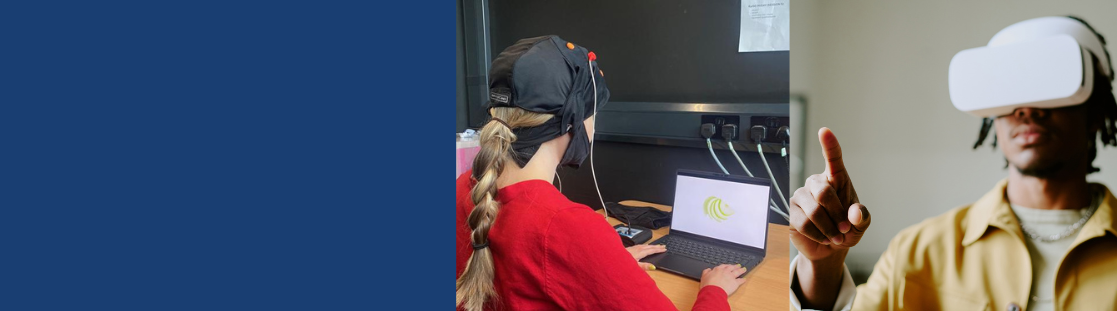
(1042, 239)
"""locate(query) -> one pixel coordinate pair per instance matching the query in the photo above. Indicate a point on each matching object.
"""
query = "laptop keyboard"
(707, 253)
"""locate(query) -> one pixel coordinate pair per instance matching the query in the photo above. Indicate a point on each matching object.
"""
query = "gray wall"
(672, 51)
(459, 55)
(654, 51)
(875, 73)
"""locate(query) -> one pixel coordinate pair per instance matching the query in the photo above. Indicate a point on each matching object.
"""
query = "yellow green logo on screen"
(716, 209)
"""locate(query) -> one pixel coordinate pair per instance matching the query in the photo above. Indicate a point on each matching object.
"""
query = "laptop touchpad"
(684, 265)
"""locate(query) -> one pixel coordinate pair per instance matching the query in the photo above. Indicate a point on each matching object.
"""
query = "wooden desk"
(767, 287)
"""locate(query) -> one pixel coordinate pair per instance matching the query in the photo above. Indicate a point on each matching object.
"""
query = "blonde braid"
(475, 286)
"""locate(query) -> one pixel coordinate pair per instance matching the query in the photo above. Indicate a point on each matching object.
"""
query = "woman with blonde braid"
(521, 244)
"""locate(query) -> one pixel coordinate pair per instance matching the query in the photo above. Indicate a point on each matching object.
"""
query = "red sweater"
(551, 253)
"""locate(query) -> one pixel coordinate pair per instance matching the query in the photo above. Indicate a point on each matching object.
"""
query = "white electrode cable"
(559, 181)
(760, 150)
(593, 172)
(774, 207)
(711, 146)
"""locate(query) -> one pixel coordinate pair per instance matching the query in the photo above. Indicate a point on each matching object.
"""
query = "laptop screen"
(729, 210)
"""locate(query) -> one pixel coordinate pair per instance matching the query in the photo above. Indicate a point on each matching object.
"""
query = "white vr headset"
(1041, 63)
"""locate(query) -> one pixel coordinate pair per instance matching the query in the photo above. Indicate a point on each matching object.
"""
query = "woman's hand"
(724, 276)
(644, 250)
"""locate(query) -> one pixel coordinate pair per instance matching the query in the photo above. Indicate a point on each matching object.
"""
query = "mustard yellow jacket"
(974, 258)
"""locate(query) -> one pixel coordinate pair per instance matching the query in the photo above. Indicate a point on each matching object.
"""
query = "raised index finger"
(832, 152)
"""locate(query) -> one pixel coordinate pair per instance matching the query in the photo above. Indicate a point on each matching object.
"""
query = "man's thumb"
(859, 217)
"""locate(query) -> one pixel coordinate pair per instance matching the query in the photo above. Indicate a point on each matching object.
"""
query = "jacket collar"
(1102, 221)
(993, 210)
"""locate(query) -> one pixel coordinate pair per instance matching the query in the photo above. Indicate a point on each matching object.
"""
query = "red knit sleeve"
(587, 268)
(711, 298)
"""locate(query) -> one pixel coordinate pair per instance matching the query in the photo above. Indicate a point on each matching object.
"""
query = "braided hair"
(475, 286)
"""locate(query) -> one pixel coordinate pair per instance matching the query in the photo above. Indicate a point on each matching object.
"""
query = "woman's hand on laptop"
(827, 219)
(724, 276)
(645, 250)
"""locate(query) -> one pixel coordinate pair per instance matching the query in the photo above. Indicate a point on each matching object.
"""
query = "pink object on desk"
(467, 150)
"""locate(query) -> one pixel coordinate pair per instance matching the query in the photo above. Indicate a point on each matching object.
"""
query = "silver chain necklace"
(1070, 231)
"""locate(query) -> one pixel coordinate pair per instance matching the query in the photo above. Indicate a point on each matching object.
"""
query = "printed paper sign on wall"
(765, 26)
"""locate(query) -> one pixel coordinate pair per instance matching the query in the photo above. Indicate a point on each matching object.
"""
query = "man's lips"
(1026, 135)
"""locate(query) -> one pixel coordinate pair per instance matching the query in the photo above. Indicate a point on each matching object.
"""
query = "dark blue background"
(216, 155)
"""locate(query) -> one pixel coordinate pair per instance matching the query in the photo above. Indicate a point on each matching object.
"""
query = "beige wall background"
(875, 72)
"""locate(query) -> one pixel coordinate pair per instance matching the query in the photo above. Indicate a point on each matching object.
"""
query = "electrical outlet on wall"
(722, 119)
(772, 124)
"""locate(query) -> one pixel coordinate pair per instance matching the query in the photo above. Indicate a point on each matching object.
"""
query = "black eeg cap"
(544, 74)
(551, 76)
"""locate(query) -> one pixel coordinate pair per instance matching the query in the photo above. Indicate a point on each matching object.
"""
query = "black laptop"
(716, 219)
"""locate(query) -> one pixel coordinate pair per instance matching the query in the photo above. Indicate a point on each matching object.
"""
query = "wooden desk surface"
(767, 287)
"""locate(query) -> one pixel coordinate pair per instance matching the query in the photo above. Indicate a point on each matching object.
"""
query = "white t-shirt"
(1046, 255)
